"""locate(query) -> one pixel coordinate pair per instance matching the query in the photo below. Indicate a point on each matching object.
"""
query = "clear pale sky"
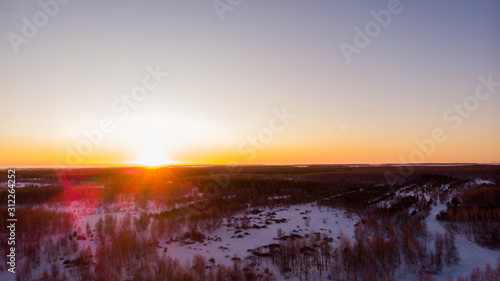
(227, 78)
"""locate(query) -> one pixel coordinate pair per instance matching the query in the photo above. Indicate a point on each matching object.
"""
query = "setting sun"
(152, 155)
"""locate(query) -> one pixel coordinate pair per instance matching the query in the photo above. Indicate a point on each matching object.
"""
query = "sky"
(248, 82)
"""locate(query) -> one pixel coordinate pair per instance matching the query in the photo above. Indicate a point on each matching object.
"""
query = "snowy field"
(234, 243)
(228, 242)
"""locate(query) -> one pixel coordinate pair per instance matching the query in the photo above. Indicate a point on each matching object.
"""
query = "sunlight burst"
(152, 155)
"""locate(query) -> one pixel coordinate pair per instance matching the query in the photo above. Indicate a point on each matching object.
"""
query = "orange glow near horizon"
(152, 155)
(287, 147)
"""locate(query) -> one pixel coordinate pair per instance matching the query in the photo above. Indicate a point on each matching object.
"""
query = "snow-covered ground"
(224, 242)
(228, 241)
(228, 245)
(471, 254)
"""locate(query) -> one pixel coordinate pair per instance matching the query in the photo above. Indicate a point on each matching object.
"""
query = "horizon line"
(101, 166)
